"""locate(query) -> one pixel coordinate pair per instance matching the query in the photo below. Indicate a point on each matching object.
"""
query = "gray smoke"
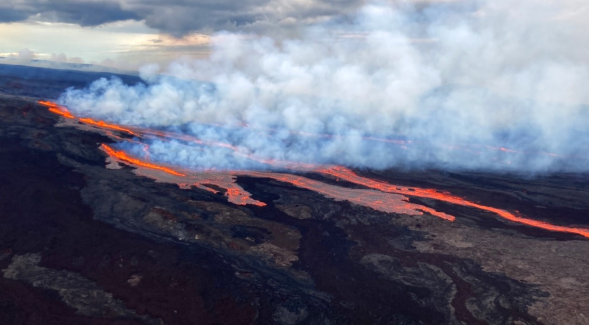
(457, 79)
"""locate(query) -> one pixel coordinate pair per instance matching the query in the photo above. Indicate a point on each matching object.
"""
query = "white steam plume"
(453, 77)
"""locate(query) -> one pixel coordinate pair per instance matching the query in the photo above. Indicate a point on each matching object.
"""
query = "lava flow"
(56, 109)
(105, 125)
(348, 175)
(62, 111)
(121, 155)
(380, 196)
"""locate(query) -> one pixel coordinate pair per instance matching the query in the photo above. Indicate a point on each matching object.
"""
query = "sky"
(126, 34)
(123, 45)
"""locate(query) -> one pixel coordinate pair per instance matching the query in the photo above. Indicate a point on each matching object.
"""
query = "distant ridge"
(31, 81)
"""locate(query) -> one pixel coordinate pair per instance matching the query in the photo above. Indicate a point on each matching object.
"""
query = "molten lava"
(350, 176)
(379, 195)
(105, 125)
(59, 110)
(121, 155)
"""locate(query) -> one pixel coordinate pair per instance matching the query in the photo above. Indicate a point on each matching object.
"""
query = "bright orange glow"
(350, 176)
(105, 125)
(56, 109)
(121, 155)
(60, 110)
(237, 195)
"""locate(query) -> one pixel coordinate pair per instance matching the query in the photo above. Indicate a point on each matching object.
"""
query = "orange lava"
(60, 110)
(240, 197)
(105, 125)
(126, 158)
(350, 176)
(56, 109)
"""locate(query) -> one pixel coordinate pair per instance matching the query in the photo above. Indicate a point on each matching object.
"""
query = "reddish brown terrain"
(93, 235)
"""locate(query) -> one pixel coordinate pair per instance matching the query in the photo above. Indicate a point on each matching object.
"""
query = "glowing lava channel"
(348, 175)
(121, 155)
(56, 109)
(383, 196)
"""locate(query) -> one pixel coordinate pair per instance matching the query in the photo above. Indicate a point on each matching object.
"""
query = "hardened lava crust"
(84, 244)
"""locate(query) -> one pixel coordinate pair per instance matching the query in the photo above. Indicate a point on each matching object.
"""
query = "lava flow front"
(377, 195)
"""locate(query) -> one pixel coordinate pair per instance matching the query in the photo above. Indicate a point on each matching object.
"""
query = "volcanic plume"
(459, 85)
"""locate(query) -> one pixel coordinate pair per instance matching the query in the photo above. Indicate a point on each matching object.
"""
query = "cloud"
(182, 17)
(176, 17)
(25, 55)
(10, 15)
(62, 58)
(83, 13)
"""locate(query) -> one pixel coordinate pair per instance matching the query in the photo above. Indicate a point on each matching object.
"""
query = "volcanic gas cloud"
(445, 84)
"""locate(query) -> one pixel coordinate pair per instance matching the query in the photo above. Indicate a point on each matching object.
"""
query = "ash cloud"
(446, 85)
